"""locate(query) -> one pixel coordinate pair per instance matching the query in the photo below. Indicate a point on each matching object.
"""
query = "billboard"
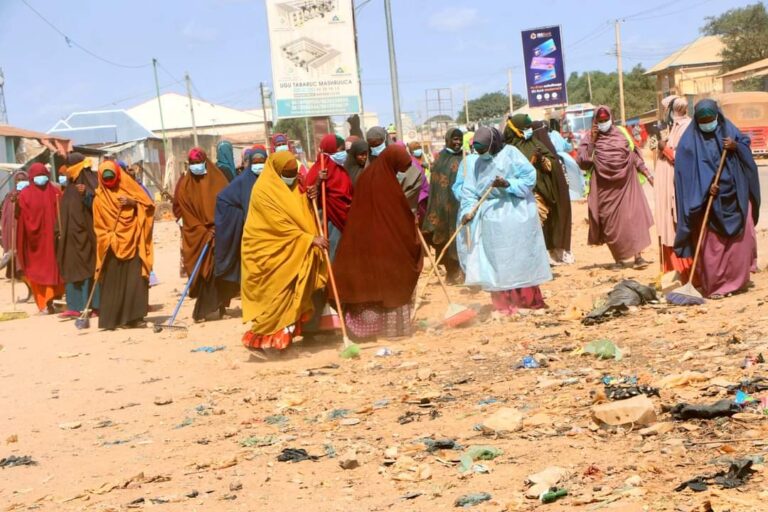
(544, 67)
(314, 60)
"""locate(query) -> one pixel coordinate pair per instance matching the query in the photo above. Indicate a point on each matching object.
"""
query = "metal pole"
(393, 69)
(509, 91)
(264, 112)
(589, 84)
(191, 107)
(309, 139)
(160, 106)
(466, 107)
(620, 72)
(359, 76)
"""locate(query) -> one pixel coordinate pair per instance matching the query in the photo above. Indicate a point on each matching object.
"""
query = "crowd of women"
(282, 236)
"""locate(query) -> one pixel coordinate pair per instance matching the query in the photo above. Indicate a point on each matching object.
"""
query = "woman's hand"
(714, 189)
(729, 144)
(312, 192)
(500, 182)
(467, 218)
(126, 202)
(321, 243)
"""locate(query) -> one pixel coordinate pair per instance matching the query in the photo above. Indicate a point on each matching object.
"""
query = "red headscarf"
(338, 186)
(379, 257)
(37, 230)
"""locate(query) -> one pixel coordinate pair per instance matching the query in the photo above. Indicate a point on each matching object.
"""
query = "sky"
(224, 46)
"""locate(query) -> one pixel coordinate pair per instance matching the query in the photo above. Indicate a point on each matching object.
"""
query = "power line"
(71, 42)
(669, 13)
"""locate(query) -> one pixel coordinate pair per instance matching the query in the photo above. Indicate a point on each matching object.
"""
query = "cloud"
(453, 18)
(197, 34)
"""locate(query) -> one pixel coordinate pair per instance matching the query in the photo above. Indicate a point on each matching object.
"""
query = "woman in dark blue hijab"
(729, 248)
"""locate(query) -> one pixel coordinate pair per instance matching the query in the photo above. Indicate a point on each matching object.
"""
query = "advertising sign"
(314, 61)
(544, 67)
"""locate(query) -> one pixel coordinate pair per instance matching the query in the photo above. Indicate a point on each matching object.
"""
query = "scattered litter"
(384, 352)
(544, 480)
(488, 400)
(276, 419)
(621, 392)
(474, 453)
(753, 385)
(470, 500)
(295, 455)
(380, 404)
(433, 445)
(528, 362)
(411, 495)
(750, 361)
(738, 473)
(625, 294)
(603, 349)
(682, 379)
(719, 409)
(338, 414)
(480, 469)
(255, 441)
(553, 495)
(13, 460)
(208, 349)
(187, 422)
(330, 451)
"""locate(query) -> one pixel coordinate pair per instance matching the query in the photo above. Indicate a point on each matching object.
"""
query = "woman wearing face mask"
(338, 186)
(281, 143)
(619, 215)
(729, 248)
(357, 159)
(8, 214)
(123, 217)
(378, 140)
(36, 238)
(195, 204)
(282, 257)
(506, 254)
(442, 207)
(570, 166)
(379, 258)
(76, 248)
(418, 161)
(551, 186)
(664, 189)
(231, 211)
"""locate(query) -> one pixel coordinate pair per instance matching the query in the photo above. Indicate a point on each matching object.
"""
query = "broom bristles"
(685, 296)
(458, 315)
(351, 350)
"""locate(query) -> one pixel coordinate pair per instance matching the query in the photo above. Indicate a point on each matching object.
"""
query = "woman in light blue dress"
(572, 170)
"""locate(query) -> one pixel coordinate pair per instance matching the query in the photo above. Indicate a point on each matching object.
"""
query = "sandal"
(640, 264)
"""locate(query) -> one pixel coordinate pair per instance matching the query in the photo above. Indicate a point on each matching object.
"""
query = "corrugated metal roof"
(704, 50)
(755, 66)
(101, 127)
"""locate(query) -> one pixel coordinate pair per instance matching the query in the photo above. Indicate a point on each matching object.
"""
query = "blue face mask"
(197, 169)
(257, 168)
(40, 180)
(339, 157)
(708, 127)
(62, 180)
(376, 151)
(22, 185)
(288, 181)
(528, 133)
(282, 147)
(486, 156)
(417, 153)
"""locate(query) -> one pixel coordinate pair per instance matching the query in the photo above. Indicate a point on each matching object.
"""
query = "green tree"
(489, 105)
(639, 90)
(295, 129)
(744, 31)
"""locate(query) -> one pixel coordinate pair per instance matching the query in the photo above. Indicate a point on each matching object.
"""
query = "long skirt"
(44, 294)
(279, 340)
(509, 301)
(725, 263)
(77, 295)
(674, 262)
(372, 319)
(124, 293)
(208, 301)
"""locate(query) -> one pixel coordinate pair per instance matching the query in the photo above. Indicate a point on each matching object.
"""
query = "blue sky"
(223, 44)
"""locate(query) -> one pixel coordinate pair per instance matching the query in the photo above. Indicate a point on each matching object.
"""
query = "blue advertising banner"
(544, 67)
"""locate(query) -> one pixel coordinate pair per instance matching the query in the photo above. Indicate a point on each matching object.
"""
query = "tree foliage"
(295, 129)
(489, 105)
(744, 31)
(639, 90)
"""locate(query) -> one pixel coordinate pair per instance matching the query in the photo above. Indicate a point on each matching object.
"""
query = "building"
(693, 70)
(94, 128)
(757, 69)
(298, 12)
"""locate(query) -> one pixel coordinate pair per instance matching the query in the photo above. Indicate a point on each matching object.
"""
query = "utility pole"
(160, 106)
(3, 111)
(620, 72)
(264, 112)
(393, 70)
(509, 91)
(191, 107)
(466, 107)
(589, 84)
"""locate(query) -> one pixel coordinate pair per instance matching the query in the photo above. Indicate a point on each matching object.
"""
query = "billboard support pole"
(264, 113)
(509, 91)
(393, 69)
(589, 85)
(466, 107)
(620, 72)
(191, 107)
(359, 77)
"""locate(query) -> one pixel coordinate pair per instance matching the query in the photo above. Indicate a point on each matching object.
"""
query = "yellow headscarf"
(127, 231)
(280, 267)
(74, 171)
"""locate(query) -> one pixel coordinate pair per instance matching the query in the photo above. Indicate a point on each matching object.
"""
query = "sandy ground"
(85, 406)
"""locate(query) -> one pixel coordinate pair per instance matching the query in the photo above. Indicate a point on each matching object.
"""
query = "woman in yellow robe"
(282, 257)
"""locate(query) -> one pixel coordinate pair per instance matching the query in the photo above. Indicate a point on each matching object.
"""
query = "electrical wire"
(71, 42)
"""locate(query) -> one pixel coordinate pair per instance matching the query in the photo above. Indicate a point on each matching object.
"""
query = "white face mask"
(283, 147)
(197, 169)
(339, 157)
(605, 126)
(288, 181)
(376, 151)
(257, 168)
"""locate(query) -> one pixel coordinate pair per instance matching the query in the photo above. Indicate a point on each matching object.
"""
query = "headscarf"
(541, 134)
(279, 139)
(696, 161)
(8, 211)
(195, 203)
(76, 250)
(379, 257)
(349, 141)
(225, 159)
(258, 149)
(37, 229)
(127, 232)
(353, 168)
(554, 125)
(513, 134)
(280, 266)
(443, 207)
(338, 185)
(377, 132)
(490, 138)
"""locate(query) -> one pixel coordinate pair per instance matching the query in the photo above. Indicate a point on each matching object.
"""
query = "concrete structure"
(100, 127)
(757, 69)
(693, 70)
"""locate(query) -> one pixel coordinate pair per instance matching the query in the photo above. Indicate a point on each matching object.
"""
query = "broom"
(456, 314)
(687, 295)
(351, 350)
(14, 315)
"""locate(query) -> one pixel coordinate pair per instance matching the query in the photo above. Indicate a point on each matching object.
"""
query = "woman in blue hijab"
(729, 248)
(225, 159)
